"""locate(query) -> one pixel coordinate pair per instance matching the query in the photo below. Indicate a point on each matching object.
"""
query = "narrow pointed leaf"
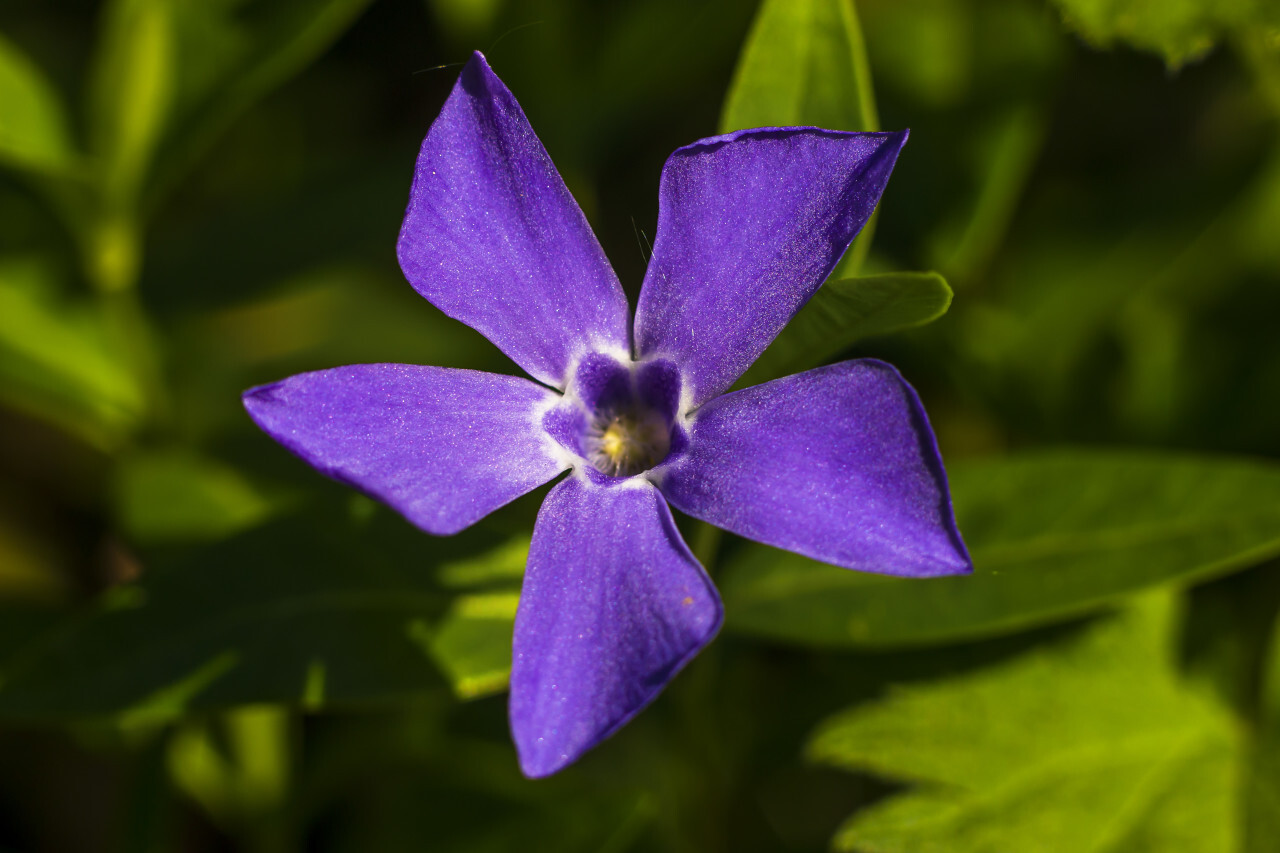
(844, 312)
(804, 64)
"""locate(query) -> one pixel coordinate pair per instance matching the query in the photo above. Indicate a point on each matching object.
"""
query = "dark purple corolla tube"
(837, 463)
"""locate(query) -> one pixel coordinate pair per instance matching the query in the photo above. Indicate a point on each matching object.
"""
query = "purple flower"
(837, 463)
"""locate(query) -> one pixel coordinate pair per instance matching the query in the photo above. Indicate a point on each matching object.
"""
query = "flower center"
(625, 444)
(619, 417)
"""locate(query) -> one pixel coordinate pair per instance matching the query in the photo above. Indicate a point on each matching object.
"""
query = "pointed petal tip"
(534, 766)
(258, 398)
(892, 146)
(259, 391)
(864, 441)
(750, 224)
(538, 763)
(493, 238)
(399, 434)
(958, 567)
(477, 76)
(894, 138)
(477, 63)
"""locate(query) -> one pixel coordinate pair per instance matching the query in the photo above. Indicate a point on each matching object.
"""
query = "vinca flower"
(838, 463)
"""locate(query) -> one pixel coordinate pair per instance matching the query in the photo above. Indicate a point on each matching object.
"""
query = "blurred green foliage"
(205, 646)
(1178, 30)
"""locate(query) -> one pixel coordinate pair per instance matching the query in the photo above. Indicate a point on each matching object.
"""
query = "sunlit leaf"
(1091, 743)
(846, 311)
(33, 124)
(803, 63)
(1051, 534)
(473, 643)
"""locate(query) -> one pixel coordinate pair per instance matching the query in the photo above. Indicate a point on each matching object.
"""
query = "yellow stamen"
(629, 444)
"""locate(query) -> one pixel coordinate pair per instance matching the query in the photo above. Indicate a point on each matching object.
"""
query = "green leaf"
(1178, 30)
(60, 361)
(1091, 743)
(132, 92)
(846, 311)
(473, 643)
(179, 496)
(315, 611)
(33, 124)
(1052, 535)
(803, 63)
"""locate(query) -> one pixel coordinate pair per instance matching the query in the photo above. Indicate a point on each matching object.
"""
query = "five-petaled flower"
(837, 463)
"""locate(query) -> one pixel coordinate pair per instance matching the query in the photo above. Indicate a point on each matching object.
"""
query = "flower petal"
(613, 606)
(838, 464)
(442, 447)
(493, 238)
(749, 225)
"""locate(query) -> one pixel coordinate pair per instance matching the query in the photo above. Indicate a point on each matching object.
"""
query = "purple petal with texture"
(493, 238)
(838, 464)
(749, 225)
(613, 605)
(442, 447)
